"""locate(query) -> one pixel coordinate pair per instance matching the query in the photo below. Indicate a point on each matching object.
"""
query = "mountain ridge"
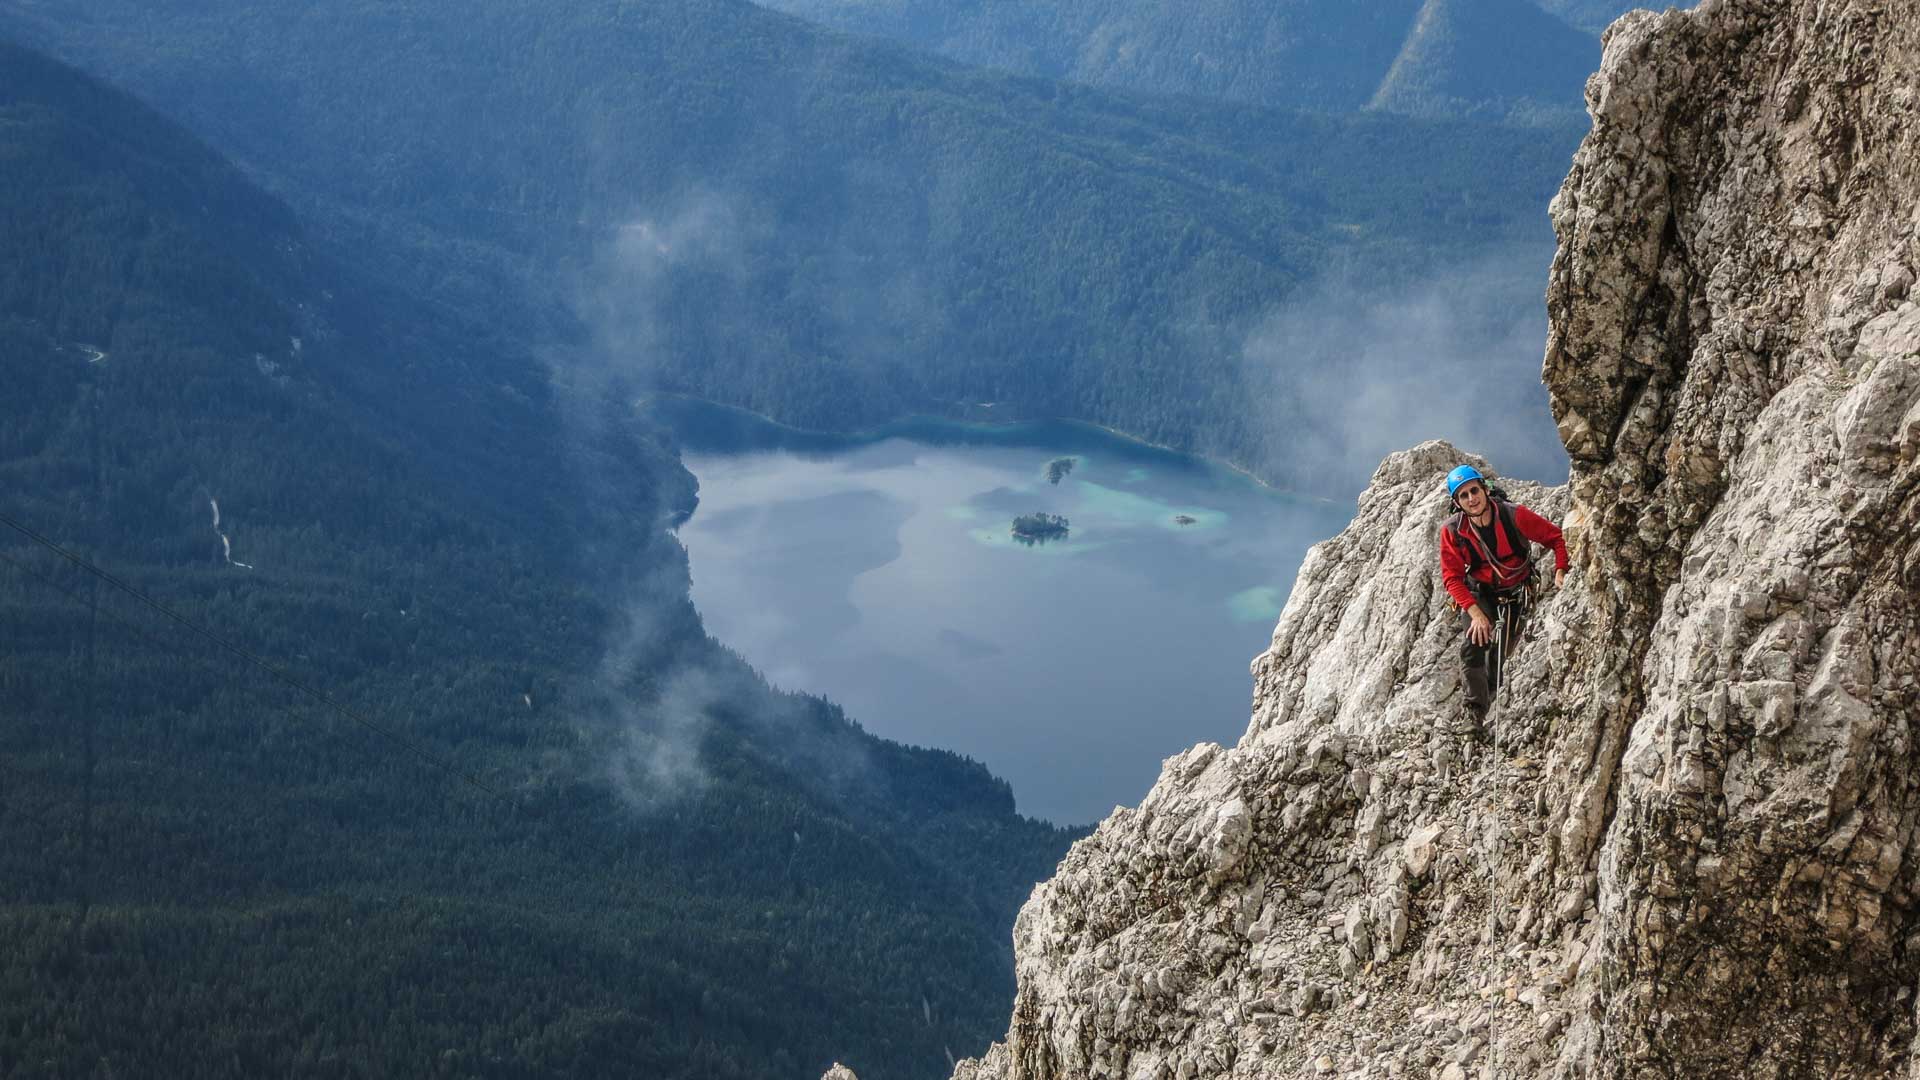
(1301, 54)
(869, 232)
(1455, 45)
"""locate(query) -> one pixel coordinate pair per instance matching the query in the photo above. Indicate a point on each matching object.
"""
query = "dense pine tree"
(578, 838)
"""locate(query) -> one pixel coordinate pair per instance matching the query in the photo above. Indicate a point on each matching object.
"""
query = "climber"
(1486, 564)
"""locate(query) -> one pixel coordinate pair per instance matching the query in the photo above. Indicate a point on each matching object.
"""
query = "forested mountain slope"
(1316, 54)
(728, 202)
(1464, 57)
(586, 840)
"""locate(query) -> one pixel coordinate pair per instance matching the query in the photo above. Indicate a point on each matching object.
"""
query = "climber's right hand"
(1481, 631)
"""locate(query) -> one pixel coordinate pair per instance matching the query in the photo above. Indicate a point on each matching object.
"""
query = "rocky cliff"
(1690, 852)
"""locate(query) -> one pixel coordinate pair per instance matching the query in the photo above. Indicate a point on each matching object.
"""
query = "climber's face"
(1472, 497)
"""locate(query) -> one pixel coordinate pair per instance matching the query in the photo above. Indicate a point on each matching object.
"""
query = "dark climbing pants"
(1482, 665)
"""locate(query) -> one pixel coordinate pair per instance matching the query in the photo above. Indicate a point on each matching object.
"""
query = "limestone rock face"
(1318, 899)
(1733, 366)
(1691, 851)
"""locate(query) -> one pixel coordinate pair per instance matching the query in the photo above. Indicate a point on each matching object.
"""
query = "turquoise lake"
(880, 571)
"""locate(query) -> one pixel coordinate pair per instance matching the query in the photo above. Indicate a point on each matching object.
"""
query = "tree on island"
(1184, 519)
(1031, 529)
(1059, 467)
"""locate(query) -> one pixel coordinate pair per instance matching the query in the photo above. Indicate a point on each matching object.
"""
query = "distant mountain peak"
(1450, 58)
(1463, 57)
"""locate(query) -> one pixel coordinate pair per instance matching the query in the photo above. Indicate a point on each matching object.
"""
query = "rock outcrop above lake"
(1693, 853)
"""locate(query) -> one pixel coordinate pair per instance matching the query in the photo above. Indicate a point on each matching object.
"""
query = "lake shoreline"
(879, 572)
(893, 429)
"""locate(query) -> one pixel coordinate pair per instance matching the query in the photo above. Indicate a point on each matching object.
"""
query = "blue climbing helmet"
(1461, 475)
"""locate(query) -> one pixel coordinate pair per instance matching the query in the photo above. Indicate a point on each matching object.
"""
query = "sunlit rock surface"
(1691, 855)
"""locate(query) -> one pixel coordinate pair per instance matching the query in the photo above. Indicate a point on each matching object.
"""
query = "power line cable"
(278, 673)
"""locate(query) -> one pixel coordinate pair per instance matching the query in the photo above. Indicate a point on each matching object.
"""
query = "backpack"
(1503, 509)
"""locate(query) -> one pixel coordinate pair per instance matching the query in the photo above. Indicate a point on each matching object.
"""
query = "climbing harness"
(1506, 612)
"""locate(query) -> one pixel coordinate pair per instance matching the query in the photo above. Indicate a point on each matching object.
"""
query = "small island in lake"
(1031, 529)
(1184, 519)
(1059, 467)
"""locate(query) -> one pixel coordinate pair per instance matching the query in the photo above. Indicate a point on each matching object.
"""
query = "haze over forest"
(322, 327)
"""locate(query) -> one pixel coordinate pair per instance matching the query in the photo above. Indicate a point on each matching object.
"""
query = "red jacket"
(1512, 559)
